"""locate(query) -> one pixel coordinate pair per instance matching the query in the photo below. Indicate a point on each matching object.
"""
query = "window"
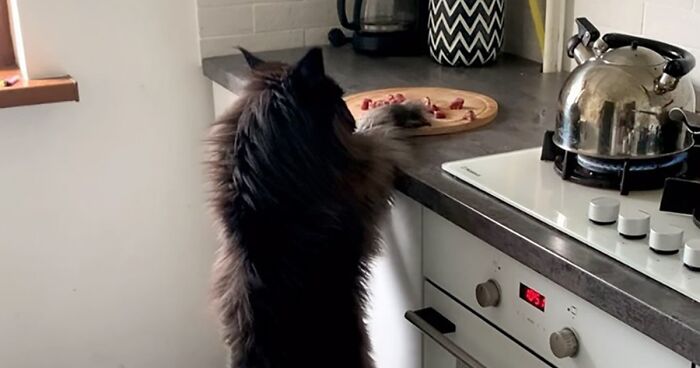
(7, 52)
(31, 91)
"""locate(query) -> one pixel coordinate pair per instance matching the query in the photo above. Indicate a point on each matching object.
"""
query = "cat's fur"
(298, 194)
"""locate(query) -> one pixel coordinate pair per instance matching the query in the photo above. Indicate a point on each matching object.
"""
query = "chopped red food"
(377, 103)
(470, 116)
(399, 98)
(457, 104)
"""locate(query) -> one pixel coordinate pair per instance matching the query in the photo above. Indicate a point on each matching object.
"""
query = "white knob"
(633, 224)
(691, 254)
(563, 343)
(488, 294)
(664, 239)
(603, 210)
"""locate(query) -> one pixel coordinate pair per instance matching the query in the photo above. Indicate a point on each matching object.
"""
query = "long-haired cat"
(298, 194)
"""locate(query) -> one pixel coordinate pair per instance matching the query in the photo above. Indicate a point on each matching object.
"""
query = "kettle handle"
(587, 34)
(342, 16)
(680, 62)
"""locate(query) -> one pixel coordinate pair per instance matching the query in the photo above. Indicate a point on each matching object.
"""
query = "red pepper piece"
(470, 116)
(366, 103)
(457, 104)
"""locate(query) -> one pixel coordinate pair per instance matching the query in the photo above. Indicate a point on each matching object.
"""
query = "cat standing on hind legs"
(298, 193)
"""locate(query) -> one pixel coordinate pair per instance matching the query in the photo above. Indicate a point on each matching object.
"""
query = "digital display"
(532, 297)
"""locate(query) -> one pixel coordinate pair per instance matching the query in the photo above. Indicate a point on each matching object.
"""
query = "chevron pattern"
(465, 32)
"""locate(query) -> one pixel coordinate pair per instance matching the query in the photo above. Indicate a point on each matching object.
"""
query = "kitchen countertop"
(527, 106)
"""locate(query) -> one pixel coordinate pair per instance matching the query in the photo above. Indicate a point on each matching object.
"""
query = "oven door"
(455, 337)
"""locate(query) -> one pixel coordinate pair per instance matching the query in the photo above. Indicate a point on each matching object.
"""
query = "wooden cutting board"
(483, 106)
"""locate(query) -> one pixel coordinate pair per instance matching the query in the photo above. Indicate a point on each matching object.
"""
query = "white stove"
(523, 181)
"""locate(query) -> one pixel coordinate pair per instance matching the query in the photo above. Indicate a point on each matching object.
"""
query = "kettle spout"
(581, 54)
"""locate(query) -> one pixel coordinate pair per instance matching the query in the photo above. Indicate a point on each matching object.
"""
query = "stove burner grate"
(611, 166)
(622, 175)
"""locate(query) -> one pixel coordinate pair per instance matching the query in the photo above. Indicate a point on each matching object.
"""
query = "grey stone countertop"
(527, 106)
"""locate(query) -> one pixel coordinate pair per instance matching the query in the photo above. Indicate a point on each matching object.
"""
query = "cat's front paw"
(406, 115)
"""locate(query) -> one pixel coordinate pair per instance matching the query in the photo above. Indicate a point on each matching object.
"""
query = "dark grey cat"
(298, 194)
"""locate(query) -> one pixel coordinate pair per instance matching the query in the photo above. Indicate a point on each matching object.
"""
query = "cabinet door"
(396, 286)
(477, 338)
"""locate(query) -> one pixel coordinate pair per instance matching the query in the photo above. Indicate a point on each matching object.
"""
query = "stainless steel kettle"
(616, 102)
(384, 27)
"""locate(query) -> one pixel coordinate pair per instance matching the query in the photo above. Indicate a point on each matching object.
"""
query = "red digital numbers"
(532, 296)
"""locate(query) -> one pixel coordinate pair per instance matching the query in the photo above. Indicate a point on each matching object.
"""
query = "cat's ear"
(252, 60)
(310, 67)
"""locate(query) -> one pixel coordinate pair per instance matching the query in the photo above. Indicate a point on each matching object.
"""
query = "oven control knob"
(665, 239)
(603, 210)
(691, 254)
(633, 224)
(488, 293)
(563, 343)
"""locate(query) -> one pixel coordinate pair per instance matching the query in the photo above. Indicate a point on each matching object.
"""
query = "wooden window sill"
(36, 91)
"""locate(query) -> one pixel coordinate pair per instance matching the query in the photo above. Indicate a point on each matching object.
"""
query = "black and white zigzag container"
(465, 32)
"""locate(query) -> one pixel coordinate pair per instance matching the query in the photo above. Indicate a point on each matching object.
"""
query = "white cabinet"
(396, 287)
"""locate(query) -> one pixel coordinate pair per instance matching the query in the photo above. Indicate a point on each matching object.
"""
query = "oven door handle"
(434, 325)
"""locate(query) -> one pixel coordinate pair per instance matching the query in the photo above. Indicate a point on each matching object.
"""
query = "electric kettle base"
(387, 44)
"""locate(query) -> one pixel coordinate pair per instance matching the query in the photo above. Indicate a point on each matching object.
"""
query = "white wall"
(672, 21)
(105, 247)
(261, 25)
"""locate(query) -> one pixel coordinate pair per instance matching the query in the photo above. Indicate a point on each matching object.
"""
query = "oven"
(457, 337)
(484, 309)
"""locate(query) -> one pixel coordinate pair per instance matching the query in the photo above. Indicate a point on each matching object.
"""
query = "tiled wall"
(263, 24)
(277, 24)
(672, 21)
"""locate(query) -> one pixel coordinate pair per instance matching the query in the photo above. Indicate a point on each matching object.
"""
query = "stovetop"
(523, 181)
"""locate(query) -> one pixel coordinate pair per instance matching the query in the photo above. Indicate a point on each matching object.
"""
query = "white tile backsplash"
(218, 46)
(668, 24)
(675, 4)
(262, 25)
(227, 20)
(214, 3)
(294, 15)
(316, 36)
(624, 15)
(672, 21)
